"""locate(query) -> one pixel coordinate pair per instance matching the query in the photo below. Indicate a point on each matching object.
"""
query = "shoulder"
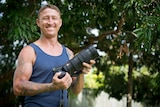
(27, 50)
(27, 53)
(70, 53)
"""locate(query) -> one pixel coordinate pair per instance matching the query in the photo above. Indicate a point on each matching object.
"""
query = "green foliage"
(148, 29)
(115, 81)
(94, 81)
(150, 86)
(139, 31)
(24, 28)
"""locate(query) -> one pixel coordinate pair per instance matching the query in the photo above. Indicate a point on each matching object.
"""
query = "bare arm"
(21, 84)
(78, 82)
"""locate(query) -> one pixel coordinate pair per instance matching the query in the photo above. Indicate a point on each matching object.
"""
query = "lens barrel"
(74, 65)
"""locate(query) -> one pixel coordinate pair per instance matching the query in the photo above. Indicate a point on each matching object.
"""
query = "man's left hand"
(88, 66)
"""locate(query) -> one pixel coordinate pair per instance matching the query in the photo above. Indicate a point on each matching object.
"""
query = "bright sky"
(3, 1)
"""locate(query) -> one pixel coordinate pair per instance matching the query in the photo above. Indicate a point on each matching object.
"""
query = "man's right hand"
(63, 83)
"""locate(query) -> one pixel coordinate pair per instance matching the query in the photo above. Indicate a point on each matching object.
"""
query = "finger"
(92, 62)
(68, 79)
(69, 83)
(86, 65)
(57, 74)
(86, 70)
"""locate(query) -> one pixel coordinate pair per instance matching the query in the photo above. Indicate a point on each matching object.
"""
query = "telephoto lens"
(74, 66)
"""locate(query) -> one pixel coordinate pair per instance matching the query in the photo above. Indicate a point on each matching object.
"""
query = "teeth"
(49, 27)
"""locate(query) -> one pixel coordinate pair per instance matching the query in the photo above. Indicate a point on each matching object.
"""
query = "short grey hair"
(51, 6)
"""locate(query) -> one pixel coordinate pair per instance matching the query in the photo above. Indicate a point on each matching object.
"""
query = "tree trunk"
(130, 81)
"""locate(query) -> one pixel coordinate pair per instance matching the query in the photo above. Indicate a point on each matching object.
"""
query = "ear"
(37, 21)
(60, 23)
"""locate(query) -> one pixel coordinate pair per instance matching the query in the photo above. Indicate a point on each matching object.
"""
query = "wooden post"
(130, 81)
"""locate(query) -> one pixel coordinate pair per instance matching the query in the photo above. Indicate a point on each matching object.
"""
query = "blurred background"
(125, 33)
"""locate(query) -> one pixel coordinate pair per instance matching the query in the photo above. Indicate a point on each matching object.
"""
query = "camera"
(74, 66)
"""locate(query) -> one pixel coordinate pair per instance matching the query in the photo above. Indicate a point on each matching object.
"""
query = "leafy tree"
(127, 28)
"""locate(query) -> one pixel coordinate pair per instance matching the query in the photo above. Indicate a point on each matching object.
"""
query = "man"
(34, 78)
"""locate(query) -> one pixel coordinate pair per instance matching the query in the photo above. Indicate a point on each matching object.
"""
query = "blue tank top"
(42, 73)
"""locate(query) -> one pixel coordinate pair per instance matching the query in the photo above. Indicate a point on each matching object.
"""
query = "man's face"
(49, 22)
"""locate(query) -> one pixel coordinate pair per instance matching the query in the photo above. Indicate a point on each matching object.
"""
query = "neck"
(49, 42)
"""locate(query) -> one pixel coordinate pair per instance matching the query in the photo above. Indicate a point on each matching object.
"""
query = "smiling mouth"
(50, 28)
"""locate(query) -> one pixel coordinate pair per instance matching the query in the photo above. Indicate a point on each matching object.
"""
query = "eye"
(45, 18)
(54, 18)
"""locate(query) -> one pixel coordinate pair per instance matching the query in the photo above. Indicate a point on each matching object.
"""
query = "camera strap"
(62, 100)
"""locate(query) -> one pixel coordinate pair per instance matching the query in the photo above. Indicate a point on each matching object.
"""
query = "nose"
(50, 21)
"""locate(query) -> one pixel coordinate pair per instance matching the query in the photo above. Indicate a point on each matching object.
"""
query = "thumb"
(57, 74)
(60, 74)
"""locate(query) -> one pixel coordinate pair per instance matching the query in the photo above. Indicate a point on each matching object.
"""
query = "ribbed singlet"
(42, 73)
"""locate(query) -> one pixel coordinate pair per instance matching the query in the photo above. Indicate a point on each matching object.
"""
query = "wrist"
(51, 87)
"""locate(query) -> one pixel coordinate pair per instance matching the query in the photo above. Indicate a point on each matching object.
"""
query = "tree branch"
(104, 34)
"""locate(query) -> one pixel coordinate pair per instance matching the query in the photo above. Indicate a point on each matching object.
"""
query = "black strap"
(62, 100)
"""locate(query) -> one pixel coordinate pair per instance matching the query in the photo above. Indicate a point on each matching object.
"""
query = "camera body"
(74, 66)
